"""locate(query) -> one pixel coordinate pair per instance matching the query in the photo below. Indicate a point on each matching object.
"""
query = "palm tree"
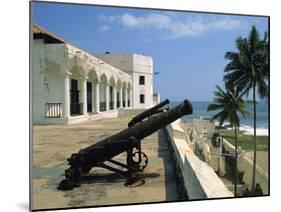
(229, 103)
(248, 69)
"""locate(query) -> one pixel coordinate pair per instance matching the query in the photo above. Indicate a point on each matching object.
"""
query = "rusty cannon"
(101, 154)
(148, 113)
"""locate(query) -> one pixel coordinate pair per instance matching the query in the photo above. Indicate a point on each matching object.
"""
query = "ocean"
(246, 124)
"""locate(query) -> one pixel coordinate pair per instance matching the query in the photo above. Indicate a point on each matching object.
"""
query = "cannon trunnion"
(128, 140)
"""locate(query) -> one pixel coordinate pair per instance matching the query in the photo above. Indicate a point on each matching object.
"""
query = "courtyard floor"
(52, 145)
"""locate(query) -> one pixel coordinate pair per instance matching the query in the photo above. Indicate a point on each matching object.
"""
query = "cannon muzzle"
(148, 113)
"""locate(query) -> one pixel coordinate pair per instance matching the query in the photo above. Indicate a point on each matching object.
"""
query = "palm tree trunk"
(255, 150)
(236, 168)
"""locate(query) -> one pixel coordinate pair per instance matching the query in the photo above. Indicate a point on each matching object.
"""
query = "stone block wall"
(200, 180)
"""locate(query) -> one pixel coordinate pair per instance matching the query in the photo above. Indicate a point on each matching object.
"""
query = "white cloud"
(130, 20)
(173, 26)
(104, 28)
(156, 21)
(226, 24)
(109, 18)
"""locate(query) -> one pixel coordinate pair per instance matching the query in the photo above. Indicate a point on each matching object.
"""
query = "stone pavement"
(52, 145)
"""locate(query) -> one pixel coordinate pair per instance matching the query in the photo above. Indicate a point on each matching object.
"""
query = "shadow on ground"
(113, 177)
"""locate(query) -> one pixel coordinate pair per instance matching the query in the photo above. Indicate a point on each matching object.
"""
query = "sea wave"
(225, 124)
(246, 129)
(249, 130)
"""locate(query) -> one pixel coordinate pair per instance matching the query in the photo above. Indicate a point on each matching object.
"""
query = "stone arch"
(112, 81)
(103, 85)
(124, 94)
(129, 85)
(118, 82)
(112, 93)
(93, 76)
(77, 61)
(129, 90)
(124, 84)
(103, 78)
(77, 78)
(118, 92)
(92, 81)
(77, 71)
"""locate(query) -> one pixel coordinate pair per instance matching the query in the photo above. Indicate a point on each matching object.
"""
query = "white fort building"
(70, 85)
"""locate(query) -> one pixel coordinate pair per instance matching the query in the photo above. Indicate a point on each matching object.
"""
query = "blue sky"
(187, 48)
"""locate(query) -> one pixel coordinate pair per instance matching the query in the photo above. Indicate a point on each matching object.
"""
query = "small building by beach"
(70, 85)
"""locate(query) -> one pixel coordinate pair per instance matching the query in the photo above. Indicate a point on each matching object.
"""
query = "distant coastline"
(246, 125)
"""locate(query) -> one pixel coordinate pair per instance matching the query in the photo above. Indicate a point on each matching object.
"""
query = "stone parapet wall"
(200, 180)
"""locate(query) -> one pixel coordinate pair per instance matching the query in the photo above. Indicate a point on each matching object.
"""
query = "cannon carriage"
(101, 154)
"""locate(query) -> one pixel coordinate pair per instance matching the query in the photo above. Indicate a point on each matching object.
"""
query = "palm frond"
(215, 107)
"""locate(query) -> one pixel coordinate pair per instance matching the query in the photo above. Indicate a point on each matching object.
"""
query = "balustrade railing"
(102, 106)
(53, 110)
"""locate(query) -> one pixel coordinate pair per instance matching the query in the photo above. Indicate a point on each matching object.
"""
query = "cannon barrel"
(113, 145)
(124, 141)
(147, 113)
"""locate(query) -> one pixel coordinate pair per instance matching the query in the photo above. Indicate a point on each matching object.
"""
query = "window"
(142, 80)
(142, 98)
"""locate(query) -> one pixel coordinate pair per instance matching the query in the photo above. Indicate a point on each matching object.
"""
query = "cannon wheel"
(144, 160)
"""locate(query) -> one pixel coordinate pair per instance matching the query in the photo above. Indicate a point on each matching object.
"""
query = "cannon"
(128, 140)
(148, 113)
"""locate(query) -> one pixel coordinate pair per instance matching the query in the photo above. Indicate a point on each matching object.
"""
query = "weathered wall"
(200, 180)
(38, 64)
(142, 66)
(50, 62)
(204, 126)
(156, 98)
(135, 65)
(47, 80)
(123, 62)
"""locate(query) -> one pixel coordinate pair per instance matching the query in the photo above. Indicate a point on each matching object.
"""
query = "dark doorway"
(75, 107)
(111, 98)
(89, 97)
(118, 100)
